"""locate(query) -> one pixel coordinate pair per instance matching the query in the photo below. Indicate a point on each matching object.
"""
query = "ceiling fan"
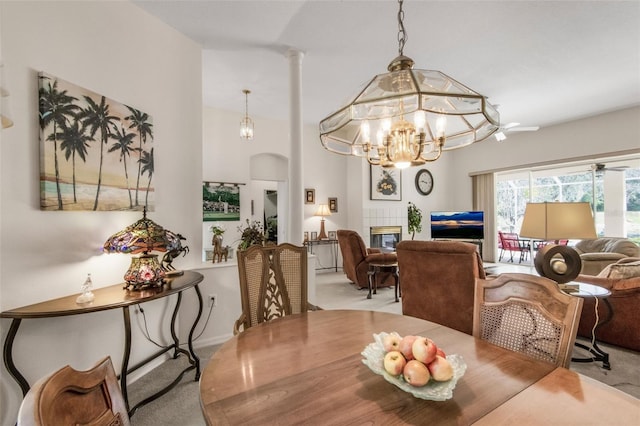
(501, 134)
(601, 167)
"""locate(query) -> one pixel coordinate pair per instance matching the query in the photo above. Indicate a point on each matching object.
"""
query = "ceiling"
(542, 62)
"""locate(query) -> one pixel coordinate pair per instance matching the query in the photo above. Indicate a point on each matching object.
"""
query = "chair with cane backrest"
(273, 283)
(71, 397)
(528, 314)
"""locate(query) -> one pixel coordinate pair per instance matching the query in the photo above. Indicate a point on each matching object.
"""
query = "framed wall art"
(333, 205)
(309, 196)
(95, 153)
(220, 201)
(314, 236)
(386, 183)
(333, 235)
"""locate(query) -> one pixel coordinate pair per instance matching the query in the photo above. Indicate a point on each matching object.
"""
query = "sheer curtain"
(484, 199)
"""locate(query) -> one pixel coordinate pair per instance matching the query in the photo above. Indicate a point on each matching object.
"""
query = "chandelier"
(407, 117)
(246, 125)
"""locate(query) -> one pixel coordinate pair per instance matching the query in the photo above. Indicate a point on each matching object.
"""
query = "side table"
(114, 297)
(586, 291)
(374, 268)
(334, 249)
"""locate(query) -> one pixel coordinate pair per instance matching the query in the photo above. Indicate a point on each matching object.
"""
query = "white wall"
(117, 50)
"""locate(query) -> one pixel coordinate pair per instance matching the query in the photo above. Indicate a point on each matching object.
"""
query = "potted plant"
(415, 219)
(252, 234)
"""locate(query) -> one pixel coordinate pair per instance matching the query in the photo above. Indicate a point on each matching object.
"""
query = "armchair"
(438, 281)
(356, 257)
(622, 279)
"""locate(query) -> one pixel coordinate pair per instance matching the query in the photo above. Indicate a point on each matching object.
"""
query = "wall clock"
(424, 182)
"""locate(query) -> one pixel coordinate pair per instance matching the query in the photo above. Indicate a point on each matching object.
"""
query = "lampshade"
(143, 237)
(407, 117)
(556, 221)
(323, 210)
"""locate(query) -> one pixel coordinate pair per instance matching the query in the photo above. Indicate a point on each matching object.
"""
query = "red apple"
(440, 369)
(406, 347)
(440, 352)
(391, 342)
(416, 373)
(394, 363)
(424, 350)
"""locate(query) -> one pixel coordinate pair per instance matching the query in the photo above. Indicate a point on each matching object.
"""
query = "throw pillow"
(621, 270)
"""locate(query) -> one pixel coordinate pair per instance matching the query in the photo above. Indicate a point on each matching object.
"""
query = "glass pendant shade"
(430, 112)
(246, 125)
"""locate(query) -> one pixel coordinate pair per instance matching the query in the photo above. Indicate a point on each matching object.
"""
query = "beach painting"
(95, 153)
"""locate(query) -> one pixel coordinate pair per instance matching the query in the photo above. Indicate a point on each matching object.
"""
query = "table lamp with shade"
(323, 210)
(552, 221)
(144, 236)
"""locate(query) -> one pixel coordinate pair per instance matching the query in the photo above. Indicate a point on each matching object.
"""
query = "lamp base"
(559, 263)
(144, 271)
(323, 234)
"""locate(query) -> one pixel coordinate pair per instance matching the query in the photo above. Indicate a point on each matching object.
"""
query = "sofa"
(356, 257)
(623, 280)
(597, 253)
(438, 279)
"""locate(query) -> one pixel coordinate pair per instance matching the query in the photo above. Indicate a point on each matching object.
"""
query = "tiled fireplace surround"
(392, 216)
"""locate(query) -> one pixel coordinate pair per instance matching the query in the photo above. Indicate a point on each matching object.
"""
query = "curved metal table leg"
(8, 356)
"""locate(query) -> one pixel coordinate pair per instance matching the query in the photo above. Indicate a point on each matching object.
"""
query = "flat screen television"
(457, 225)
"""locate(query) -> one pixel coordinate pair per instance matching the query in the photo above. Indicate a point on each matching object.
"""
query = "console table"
(334, 246)
(114, 297)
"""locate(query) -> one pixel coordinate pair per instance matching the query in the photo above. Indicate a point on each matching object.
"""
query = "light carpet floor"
(181, 406)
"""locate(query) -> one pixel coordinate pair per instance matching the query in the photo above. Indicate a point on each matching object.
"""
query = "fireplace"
(385, 237)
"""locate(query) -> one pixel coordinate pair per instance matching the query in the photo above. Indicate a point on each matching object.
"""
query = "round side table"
(374, 268)
(586, 291)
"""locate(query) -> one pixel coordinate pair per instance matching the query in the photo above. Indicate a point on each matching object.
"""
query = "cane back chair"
(273, 283)
(527, 314)
(71, 397)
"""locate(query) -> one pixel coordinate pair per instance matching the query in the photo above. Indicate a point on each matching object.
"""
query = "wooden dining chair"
(71, 397)
(273, 283)
(527, 314)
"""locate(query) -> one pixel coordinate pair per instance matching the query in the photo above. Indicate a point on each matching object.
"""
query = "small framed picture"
(306, 236)
(314, 236)
(386, 184)
(333, 205)
(332, 235)
(309, 196)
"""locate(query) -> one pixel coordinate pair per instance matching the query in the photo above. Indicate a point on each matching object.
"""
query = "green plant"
(415, 219)
(251, 235)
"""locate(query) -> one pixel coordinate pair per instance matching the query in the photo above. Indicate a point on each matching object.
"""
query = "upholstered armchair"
(356, 257)
(622, 279)
(438, 279)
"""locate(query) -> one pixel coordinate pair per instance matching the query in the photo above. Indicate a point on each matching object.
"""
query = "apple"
(406, 347)
(424, 350)
(394, 363)
(416, 373)
(440, 369)
(440, 352)
(391, 342)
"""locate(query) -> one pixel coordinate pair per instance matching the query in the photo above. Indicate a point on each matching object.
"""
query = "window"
(613, 187)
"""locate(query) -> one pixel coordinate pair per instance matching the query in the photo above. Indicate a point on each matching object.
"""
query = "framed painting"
(333, 205)
(314, 236)
(333, 235)
(220, 202)
(386, 183)
(309, 196)
(95, 153)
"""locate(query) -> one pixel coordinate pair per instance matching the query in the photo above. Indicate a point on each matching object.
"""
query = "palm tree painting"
(91, 148)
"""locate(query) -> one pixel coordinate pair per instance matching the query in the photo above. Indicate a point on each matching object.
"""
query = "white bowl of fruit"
(415, 364)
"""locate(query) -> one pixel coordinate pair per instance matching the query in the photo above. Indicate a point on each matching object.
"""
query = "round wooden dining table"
(307, 369)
